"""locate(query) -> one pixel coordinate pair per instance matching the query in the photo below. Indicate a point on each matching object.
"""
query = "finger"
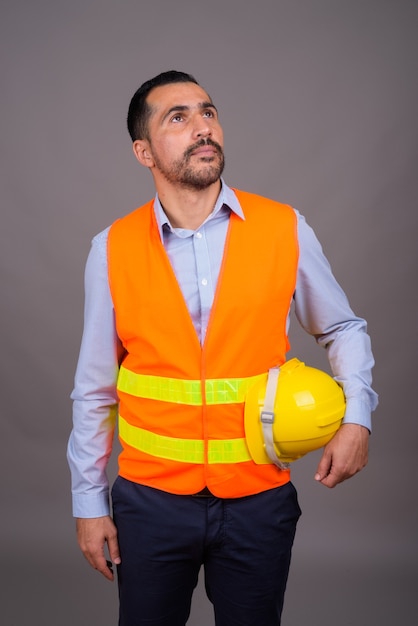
(104, 567)
(331, 481)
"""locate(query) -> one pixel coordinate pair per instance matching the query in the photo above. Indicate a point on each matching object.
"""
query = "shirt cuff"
(358, 412)
(91, 505)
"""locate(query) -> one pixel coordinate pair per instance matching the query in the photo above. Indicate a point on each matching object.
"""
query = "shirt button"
(199, 235)
(204, 281)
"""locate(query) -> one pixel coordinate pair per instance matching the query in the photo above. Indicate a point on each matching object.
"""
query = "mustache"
(203, 142)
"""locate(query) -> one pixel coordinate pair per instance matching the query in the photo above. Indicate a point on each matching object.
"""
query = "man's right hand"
(92, 534)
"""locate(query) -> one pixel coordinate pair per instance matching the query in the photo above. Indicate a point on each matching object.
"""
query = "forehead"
(165, 97)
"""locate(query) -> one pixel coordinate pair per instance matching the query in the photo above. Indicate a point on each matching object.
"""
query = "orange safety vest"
(181, 404)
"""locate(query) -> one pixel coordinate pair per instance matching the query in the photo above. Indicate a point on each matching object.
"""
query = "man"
(187, 295)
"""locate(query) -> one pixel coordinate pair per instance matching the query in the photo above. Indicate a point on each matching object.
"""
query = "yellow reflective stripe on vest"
(183, 450)
(176, 390)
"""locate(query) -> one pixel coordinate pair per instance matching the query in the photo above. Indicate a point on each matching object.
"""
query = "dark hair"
(139, 110)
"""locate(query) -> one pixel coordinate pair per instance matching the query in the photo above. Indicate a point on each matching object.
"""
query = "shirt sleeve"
(94, 394)
(323, 310)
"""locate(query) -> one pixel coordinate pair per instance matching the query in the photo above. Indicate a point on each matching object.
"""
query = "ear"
(143, 153)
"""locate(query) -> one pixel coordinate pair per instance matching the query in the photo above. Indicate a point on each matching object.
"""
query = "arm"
(323, 310)
(94, 414)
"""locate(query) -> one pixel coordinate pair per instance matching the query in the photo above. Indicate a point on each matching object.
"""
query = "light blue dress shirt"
(321, 307)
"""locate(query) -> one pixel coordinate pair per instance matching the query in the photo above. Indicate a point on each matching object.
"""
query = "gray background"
(319, 102)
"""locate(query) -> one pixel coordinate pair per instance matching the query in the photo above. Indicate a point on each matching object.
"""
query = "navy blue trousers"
(244, 545)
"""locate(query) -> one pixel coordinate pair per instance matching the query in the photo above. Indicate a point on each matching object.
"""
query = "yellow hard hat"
(293, 410)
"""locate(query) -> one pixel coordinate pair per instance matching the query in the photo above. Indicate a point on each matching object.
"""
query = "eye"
(177, 118)
(209, 113)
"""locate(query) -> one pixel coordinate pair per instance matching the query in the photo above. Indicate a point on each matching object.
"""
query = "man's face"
(185, 137)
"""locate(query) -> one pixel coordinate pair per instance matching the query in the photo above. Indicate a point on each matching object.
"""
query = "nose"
(202, 127)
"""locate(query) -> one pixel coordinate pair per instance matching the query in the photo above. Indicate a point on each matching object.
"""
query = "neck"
(188, 208)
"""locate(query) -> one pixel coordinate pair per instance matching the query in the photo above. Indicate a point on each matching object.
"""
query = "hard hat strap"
(267, 417)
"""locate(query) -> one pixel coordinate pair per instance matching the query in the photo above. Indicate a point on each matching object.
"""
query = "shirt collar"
(226, 198)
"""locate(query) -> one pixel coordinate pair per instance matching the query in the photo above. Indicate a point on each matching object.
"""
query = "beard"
(182, 172)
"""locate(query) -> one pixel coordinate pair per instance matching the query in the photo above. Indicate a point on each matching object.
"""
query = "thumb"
(113, 547)
(324, 466)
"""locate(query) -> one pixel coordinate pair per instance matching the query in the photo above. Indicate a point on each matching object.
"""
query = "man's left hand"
(345, 455)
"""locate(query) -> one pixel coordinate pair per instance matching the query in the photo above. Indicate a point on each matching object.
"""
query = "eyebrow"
(178, 108)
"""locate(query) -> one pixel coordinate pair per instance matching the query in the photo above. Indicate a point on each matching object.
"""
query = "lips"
(205, 151)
